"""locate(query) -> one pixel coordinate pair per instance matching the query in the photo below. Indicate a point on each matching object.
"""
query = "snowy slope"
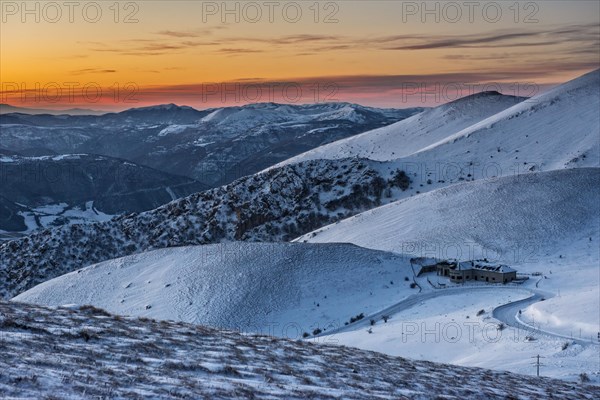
(497, 217)
(86, 353)
(557, 129)
(278, 289)
(298, 198)
(414, 133)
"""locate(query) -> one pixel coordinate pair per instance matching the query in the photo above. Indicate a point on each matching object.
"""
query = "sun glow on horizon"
(125, 54)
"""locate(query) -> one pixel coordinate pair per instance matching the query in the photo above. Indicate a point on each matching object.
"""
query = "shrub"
(94, 310)
(317, 331)
(305, 335)
(357, 318)
(401, 180)
(480, 312)
(413, 285)
(229, 370)
(87, 336)
(583, 377)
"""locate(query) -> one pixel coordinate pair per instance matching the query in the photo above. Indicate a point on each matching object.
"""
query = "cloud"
(584, 36)
(462, 41)
(584, 33)
(289, 39)
(375, 90)
(149, 47)
(89, 71)
(178, 34)
(193, 33)
(238, 51)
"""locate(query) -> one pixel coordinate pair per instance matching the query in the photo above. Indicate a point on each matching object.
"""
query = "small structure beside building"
(424, 265)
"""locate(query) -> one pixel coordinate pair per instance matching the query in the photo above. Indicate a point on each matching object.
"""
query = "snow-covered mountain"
(46, 191)
(412, 134)
(543, 224)
(556, 129)
(214, 146)
(85, 352)
(476, 179)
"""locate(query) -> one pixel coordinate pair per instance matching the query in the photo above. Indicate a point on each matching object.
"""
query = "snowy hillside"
(412, 134)
(282, 290)
(554, 130)
(553, 210)
(75, 353)
(557, 129)
(275, 206)
(461, 327)
(286, 202)
(271, 288)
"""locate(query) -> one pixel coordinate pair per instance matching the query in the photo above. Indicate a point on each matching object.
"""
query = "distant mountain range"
(172, 151)
(214, 146)
(7, 109)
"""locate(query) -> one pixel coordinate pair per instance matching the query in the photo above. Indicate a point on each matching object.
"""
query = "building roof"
(467, 265)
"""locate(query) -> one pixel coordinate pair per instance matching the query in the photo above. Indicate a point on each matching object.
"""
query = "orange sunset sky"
(108, 55)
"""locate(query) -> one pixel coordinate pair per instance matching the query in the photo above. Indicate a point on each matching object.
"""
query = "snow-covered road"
(509, 314)
(506, 313)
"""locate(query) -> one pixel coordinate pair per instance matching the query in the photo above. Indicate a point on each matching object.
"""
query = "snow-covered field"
(48, 214)
(573, 311)
(86, 353)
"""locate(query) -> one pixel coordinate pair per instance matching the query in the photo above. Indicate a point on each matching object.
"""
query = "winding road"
(506, 313)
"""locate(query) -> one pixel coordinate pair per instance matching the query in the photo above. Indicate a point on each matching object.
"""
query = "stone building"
(477, 271)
